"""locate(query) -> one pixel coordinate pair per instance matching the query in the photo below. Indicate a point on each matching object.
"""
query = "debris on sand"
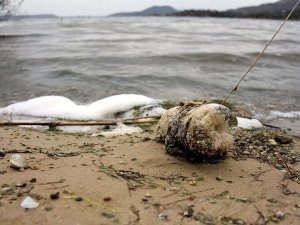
(249, 123)
(197, 131)
(29, 203)
(18, 162)
(120, 130)
(2, 154)
(268, 146)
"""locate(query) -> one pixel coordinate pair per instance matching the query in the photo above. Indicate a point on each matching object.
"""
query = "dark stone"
(107, 199)
(283, 139)
(54, 196)
(78, 199)
(2, 154)
(33, 180)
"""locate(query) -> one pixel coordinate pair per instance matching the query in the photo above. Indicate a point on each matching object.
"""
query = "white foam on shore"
(121, 129)
(64, 108)
(248, 123)
(279, 115)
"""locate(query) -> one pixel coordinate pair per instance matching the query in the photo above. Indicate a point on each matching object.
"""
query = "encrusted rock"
(197, 131)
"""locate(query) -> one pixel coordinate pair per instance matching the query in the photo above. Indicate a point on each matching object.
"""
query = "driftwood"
(53, 124)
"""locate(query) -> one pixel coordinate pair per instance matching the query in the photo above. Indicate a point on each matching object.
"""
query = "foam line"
(248, 123)
(64, 108)
(279, 115)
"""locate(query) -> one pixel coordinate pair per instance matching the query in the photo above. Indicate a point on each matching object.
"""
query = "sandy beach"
(131, 180)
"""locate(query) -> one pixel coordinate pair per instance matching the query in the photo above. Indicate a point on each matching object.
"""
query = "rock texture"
(197, 131)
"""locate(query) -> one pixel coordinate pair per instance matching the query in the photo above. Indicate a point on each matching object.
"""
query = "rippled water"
(86, 59)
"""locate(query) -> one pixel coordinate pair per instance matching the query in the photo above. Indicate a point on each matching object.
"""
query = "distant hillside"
(152, 11)
(277, 10)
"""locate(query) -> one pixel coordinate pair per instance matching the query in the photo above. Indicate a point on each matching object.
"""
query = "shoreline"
(131, 180)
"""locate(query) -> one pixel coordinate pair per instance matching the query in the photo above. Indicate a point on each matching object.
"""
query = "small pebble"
(78, 199)
(193, 183)
(18, 161)
(148, 195)
(107, 199)
(279, 215)
(272, 142)
(54, 196)
(145, 199)
(29, 203)
(163, 217)
(108, 215)
(48, 208)
(33, 180)
(2, 154)
(188, 212)
(21, 185)
(297, 205)
(6, 190)
(219, 178)
(272, 200)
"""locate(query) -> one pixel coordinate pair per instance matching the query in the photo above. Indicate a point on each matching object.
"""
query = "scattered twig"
(54, 124)
(234, 212)
(258, 174)
(73, 196)
(173, 193)
(260, 216)
(136, 212)
(54, 188)
(291, 174)
(17, 151)
(53, 182)
(188, 198)
(285, 190)
(271, 126)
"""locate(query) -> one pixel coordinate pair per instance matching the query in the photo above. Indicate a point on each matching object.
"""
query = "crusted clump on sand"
(197, 131)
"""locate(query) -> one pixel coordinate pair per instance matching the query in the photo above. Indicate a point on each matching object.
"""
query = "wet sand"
(131, 180)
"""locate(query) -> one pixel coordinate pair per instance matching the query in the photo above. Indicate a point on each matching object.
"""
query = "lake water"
(86, 59)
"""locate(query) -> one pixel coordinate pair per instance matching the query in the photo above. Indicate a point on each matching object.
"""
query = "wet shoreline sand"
(131, 180)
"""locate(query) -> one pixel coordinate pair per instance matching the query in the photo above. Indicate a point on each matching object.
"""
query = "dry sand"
(131, 180)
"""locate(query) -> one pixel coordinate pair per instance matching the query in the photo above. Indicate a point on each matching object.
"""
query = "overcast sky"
(106, 7)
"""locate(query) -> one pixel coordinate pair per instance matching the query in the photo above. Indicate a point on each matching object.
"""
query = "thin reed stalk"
(234, 89)
(79, 123)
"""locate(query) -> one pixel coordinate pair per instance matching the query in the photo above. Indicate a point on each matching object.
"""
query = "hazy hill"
(283, 5)
(152, 11)
(277, 10)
